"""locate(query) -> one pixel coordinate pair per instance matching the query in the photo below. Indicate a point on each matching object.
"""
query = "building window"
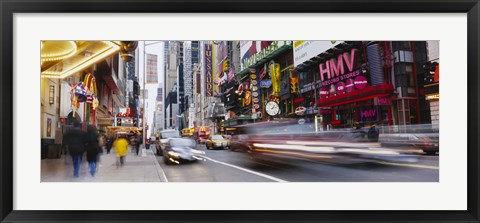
(404, 78)
(303, 78)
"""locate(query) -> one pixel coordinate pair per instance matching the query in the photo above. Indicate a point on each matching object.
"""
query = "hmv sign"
(370, 113)
(340, 75)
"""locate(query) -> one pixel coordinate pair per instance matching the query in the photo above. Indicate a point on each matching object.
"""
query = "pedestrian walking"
(121, 148)
(108, 144)
(75, 141)
(93, 148)
(147, 143)
(138, 142)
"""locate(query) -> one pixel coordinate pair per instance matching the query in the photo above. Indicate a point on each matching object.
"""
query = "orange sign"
(248, 97)
(436, 76)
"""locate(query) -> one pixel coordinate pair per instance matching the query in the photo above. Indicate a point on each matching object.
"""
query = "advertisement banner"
(231, 75)
(221, 53)
(152, 75)
(266, 83)
(339, 76)
(253, 51)
(255, 90)
(208, 70)
(305, 50)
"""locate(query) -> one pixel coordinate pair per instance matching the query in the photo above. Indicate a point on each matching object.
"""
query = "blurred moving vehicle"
(164, 137)
(238, 142)
(423, 137)
(179, 150)
(289, 140)
(428, 143)
(217, 141)
(202, 139)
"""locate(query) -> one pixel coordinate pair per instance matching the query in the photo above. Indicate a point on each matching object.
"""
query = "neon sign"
(334, 68)
(369, 113)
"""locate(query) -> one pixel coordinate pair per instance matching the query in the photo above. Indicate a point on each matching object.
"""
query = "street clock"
(272, 108)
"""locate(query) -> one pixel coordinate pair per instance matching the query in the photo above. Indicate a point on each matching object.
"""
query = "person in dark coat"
(74, 139)
(138, 142)
(109, 143)
(373, 133)
(93, 148)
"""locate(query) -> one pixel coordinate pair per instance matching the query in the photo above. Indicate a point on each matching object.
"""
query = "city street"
(294, 111)
(228, 166)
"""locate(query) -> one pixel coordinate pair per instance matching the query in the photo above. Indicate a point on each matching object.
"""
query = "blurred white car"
(165, 136)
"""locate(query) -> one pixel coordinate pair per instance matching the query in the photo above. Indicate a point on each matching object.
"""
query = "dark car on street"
(239, 143)
(179, 150)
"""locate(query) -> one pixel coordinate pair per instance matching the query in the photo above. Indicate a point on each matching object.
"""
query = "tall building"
(334, 83)
(190, 59)
(181, 97)
(159, 123)
(197, 96)
(174, 83)
(187, 71)
(171, 108)
(171, 65)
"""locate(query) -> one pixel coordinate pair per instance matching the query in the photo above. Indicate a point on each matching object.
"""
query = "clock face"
(272, 108)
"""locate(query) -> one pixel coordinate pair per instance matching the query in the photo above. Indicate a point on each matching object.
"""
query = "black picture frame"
(9, 7)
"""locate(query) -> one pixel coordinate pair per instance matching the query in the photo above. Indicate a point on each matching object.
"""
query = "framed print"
(202, 111)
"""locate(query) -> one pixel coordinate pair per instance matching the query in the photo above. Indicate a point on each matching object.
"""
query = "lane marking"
(409, 165)
(246, 170)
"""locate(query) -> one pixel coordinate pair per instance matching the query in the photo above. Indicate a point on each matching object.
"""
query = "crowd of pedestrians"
(90, 143)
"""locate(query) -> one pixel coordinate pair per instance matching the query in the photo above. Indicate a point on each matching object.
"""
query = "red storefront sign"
(383, 101)
(369, 92)
(335, 122)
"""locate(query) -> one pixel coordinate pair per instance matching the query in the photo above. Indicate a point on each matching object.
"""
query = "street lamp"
(144, 81)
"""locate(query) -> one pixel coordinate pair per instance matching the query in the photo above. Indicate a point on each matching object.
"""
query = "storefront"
(432, 92)
(201, 132)
(264, 64)
(369, 106)
(338, 88)
(71, 75)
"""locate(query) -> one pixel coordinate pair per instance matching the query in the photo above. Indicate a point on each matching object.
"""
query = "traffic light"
(294, 84)
(119, 122)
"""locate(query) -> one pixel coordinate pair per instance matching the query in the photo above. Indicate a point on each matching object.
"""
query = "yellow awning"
(61, 59)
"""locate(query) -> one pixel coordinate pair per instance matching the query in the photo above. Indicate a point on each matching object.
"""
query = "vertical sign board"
(152, 76)
(255, 90)
(208, 70)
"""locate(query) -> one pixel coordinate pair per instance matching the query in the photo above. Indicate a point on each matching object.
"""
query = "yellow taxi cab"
(217, 141)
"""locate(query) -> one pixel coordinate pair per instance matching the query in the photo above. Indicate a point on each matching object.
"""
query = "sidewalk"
(136, 169)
